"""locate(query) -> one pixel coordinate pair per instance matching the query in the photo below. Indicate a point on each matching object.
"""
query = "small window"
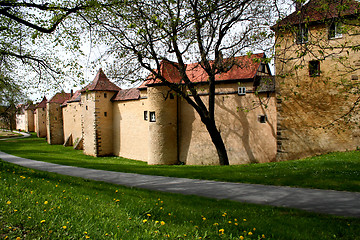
(105, 114)
(171, 96)
(241, 91)
(87, 96)
(302, 34)
(263, 68)
(335, 30)
(145, 115)
(314, 68)
(262, 118)
(152, 117)
(86, 108)
(105, 95)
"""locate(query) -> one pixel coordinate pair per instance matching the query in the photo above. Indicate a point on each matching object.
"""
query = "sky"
(90, 65)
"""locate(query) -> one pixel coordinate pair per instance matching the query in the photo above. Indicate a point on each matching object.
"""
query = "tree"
(145, 34)
(30, 34)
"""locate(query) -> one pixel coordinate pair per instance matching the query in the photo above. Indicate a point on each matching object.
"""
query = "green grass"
(41, 205)
(338, 171)
(8, 133)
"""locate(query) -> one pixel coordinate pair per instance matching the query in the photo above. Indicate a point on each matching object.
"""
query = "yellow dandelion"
(161, 208)
(156, 231)
(204, 218)
(169, 214)
(236, 224)
(29, 217)
(250, 233)
(263, 236)
(42, 221)
(87, 237)
(241, 238)
(18, 238)
(230, 222)
(162, 223)
(235, 220)
(145, 220)
(244, 219)
(116, 190)
(156, 222)
(85, 233)
(50, 231)
(64, 227)
(8, 202)
(221, 231)
(46, 202)
(254, 229)
(15, 210)
(216, 224)
(149, 215)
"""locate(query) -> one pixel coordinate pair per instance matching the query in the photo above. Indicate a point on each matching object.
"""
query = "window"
(145, 115)
(335, 30)
(152, 117)
(262, 68)
(262, 118)
(105, 95)
(171, 96)
(314, 68)
(105, 114)
(86, 108)
(241, 91)
(302, 34)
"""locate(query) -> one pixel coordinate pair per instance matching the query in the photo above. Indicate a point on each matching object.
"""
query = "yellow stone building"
(318, 67)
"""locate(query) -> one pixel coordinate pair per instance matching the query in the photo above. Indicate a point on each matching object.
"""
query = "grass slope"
(40, 205)
(338, 171)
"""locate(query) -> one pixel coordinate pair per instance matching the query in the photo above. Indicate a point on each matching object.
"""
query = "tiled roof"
(60, 97)
(101, 83)
(42, 104)
(245, 68)
(30, 107)
(127, 94)
(318, 10)
(75, 98)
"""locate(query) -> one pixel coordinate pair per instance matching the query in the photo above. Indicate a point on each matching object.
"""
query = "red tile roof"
(127, 94)
(60, 97)
(245, 68)
(318, 10)
(101, 83)
(42, 104)
(30, 107)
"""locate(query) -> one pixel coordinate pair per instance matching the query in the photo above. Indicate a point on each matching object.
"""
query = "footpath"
(322, 201)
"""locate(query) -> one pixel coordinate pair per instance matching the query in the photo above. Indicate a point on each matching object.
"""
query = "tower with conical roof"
(97, 115)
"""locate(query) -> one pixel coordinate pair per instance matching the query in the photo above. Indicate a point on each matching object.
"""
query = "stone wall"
(72, 121)
(20, 121)
(40, 122)
(237, 117)
(88, 123)
(54, 118)
(29, 121)
(310, 107)
(131, 130)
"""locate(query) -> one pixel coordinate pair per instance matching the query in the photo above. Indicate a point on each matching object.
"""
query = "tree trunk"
(217, 140)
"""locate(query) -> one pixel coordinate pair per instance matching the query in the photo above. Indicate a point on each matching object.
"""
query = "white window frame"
(152, 117)
(337, 30)
(241, 91)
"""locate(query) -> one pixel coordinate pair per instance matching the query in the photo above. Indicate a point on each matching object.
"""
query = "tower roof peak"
(101, 83)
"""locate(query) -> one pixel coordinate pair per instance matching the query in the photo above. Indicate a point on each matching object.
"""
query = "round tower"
(163, 146)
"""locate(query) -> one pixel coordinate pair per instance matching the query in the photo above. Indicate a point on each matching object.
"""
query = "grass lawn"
(41, 205)
(338, 171)
(7, 134)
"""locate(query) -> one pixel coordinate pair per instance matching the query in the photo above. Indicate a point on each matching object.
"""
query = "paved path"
(323, 201)
(24, 135)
